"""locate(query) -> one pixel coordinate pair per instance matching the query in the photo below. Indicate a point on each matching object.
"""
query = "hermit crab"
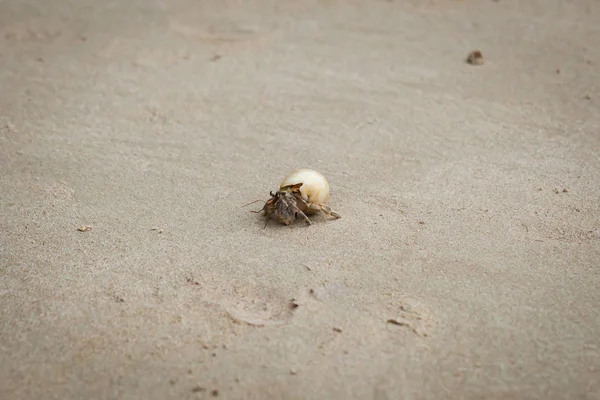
(303, 192)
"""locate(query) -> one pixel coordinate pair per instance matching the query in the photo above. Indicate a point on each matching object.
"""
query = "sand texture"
(466, 264)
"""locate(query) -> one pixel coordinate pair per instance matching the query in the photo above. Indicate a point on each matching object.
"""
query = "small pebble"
(475, 58)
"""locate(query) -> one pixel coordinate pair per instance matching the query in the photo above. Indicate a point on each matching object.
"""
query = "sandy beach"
(466, 264)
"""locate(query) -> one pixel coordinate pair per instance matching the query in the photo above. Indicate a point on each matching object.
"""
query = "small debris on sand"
(399, 323)
(84, 228)
(198, 389)
(192, 281)
(475, 58)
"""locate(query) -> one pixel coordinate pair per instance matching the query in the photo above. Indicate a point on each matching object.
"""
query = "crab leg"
(304, 216)
(322, 207)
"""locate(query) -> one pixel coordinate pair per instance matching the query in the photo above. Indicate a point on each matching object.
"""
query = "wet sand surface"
(466, 264)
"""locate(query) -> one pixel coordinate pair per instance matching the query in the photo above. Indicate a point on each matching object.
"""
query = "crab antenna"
(255, 201)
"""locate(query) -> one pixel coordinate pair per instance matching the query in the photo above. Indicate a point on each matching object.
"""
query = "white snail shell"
(314, 189)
